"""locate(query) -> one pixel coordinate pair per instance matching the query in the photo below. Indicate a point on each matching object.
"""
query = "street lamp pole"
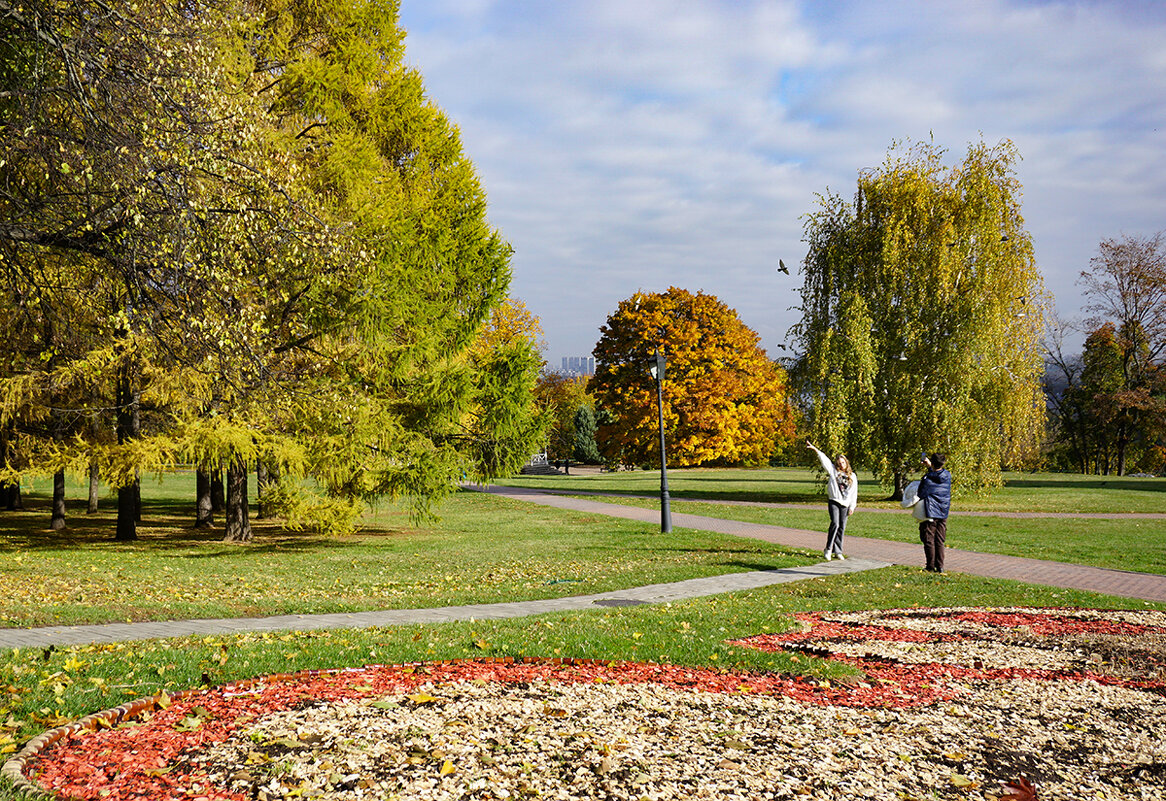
(656, 366)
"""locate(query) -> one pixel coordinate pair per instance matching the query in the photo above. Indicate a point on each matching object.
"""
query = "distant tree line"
(1108, 404)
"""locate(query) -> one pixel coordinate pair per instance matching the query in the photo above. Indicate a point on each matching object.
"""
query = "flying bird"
(781, 268)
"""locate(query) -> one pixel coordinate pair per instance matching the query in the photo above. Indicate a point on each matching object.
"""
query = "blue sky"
(642, 144)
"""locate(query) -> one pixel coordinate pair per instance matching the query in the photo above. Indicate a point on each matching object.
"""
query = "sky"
(632, 145)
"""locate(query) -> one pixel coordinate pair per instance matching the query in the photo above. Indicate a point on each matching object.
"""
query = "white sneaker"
(827, 555)
(839, 556)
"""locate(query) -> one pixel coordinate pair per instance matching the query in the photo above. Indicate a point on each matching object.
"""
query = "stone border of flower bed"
(13, 768)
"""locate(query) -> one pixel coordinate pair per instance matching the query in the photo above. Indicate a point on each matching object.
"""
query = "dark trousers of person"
(837, 527)
(933, 534)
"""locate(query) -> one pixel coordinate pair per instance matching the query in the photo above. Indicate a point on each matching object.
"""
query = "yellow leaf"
(963, 782)
(447, 768)
(422, 698)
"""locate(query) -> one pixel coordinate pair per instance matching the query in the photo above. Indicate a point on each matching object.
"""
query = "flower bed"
(954, 703)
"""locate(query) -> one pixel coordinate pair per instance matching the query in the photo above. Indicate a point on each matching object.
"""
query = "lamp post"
(656, 368)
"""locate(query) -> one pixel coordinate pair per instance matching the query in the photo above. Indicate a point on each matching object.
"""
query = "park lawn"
(45, 688)
(1117, 544)
(1022, 492)
(484, 549)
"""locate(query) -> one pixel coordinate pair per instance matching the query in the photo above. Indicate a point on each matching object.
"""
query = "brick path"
(863, 553)
(1147, 586)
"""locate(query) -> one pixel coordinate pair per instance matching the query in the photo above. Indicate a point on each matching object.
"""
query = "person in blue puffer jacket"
(935, 496)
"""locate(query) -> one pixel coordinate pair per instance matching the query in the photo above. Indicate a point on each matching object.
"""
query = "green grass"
(82, 576)
(1118, 544)
(1022, 492)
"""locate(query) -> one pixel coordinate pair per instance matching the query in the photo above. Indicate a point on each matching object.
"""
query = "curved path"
(863, 554)
(866, 509)
(652, 593)
(1147, 586)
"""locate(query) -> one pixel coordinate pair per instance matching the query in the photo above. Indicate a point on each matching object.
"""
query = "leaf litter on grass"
(952, 703)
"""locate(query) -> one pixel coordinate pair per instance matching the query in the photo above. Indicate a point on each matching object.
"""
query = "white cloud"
(647, 144)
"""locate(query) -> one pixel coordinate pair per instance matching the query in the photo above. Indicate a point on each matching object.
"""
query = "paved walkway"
(863, 553)
(1147, 586)
(874, 509)
(650, 594)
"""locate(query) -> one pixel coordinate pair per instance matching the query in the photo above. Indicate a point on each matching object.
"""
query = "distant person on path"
(841, 499)
(935, 497)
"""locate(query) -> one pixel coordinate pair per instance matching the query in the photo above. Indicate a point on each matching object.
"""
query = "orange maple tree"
(725, 401)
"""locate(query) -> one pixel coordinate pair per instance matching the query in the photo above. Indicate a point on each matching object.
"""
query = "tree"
(1126, 284)
(282, 245)
(922, 309)
(725, 402)
(560, 397)
(1121, 395)
(586, 450)
(510, 321)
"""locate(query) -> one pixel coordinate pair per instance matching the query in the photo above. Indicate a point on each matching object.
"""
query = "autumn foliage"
(725, 402)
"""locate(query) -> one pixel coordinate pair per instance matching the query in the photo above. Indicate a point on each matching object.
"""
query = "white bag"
(912, 501)
(910, 495)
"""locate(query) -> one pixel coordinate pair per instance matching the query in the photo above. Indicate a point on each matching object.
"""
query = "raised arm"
(827, 465)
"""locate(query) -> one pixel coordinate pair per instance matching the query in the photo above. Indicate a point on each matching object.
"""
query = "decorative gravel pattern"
(955, 703)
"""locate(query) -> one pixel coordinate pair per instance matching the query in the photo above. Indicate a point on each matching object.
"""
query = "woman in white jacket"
(841, 497)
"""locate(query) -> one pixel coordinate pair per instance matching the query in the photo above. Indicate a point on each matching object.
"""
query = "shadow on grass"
(165, 527)
(698, 494)
(751, 566)
(1073, 482)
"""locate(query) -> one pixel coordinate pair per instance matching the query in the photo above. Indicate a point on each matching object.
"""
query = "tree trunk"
(128, 428)
(204, 516)
(900, 482)
(238, 522)
(58, 518)
(5, 487)
(265, 478)
(1123, 440)
(94, 487)
(218, 504)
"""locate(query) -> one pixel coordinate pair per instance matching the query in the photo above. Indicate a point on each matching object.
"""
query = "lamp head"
(656, 365)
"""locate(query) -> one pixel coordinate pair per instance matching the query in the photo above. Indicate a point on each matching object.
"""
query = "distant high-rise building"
(578, 365)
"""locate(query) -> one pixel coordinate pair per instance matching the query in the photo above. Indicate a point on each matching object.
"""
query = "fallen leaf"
(963, 782)
(1018, 790)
